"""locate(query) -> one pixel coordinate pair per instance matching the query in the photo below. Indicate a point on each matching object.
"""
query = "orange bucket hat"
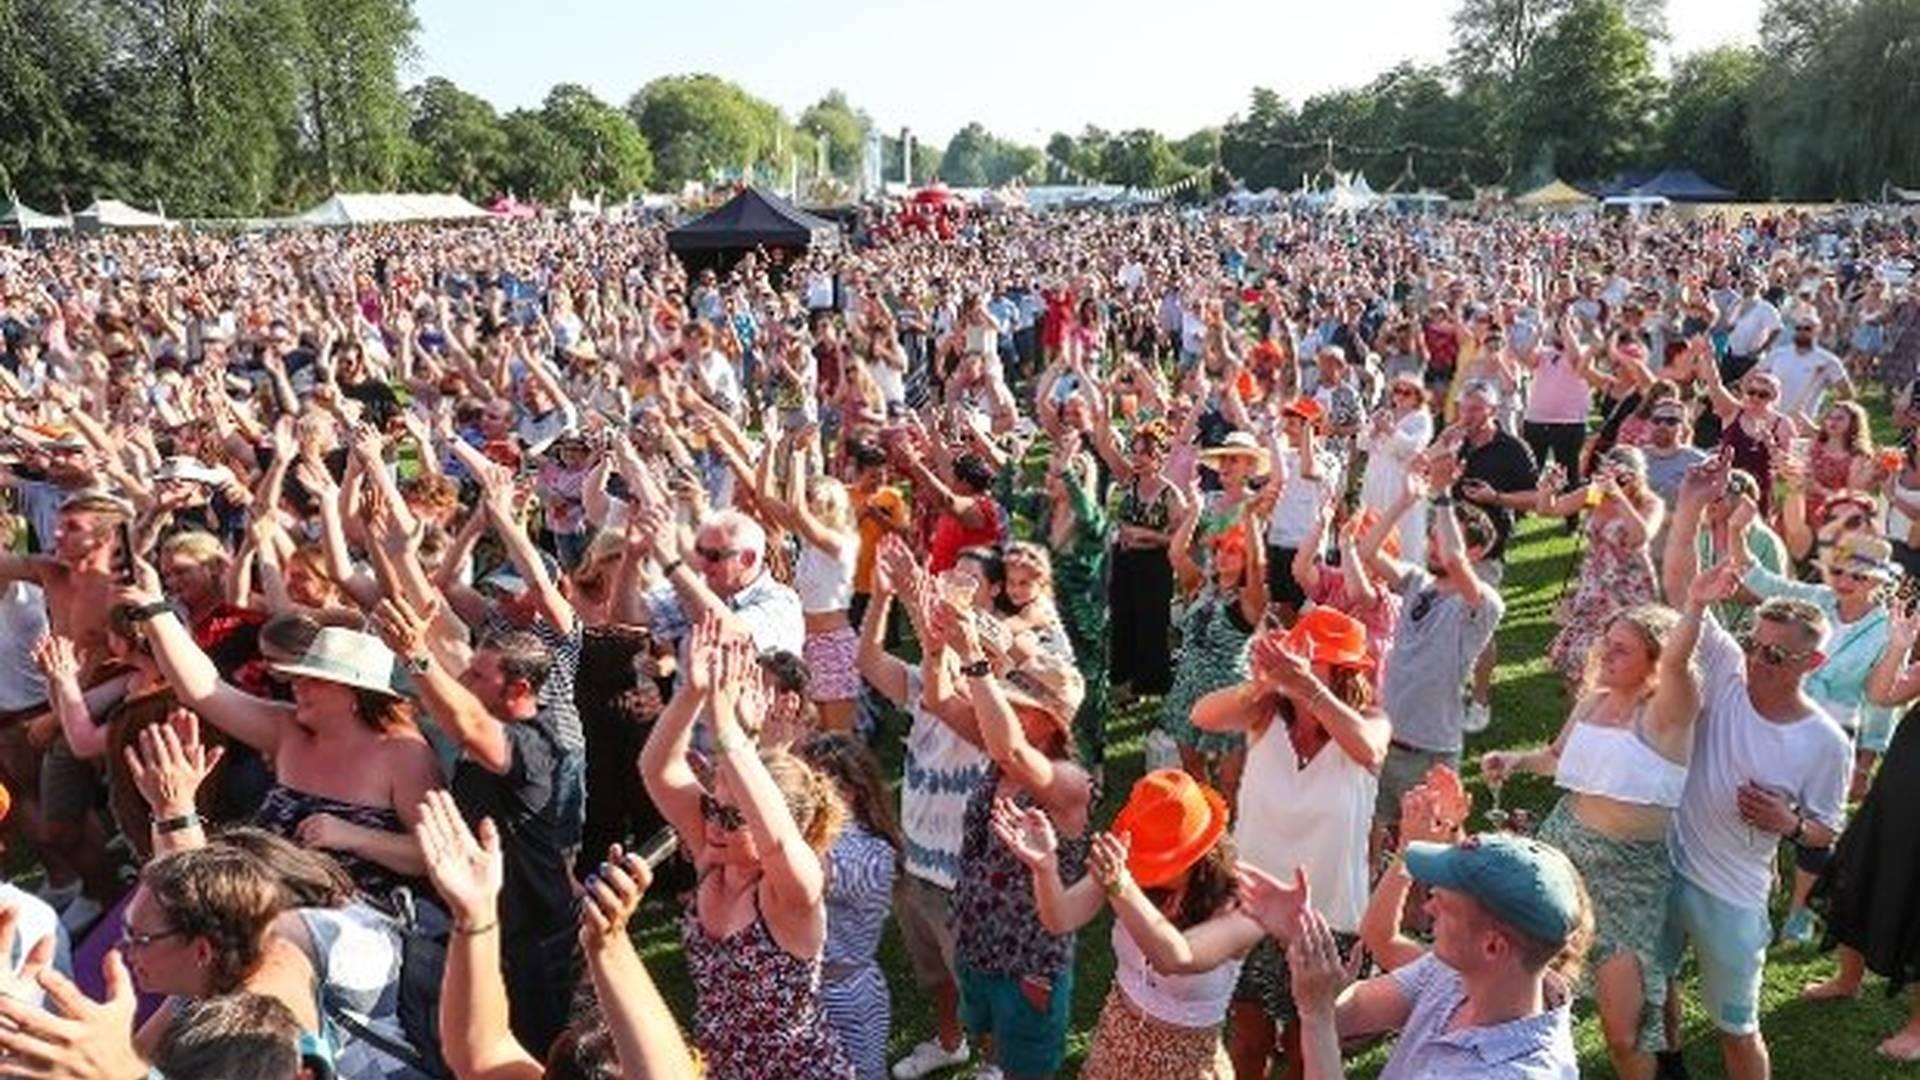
(1170, 821)
(1327, 636)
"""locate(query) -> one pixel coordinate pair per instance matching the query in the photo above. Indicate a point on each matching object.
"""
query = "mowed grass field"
(1830, 1040)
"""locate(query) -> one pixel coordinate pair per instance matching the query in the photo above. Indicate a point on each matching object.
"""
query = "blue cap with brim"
(1522, 882)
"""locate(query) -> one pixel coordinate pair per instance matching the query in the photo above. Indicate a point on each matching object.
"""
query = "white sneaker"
(930, 1056)
(1478, 717)
(80, 915)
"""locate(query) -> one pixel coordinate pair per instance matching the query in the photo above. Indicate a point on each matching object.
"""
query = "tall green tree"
(1588, 96)
(613, 156)
(696, 124)
(845, 129)
(976, 157)
(1707, 122)
(352, 114)
(540, 164)
(463, 145)
(1141, 158)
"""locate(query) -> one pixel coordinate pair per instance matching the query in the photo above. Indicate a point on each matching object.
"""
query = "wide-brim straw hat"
(1239, 444)
(347, 657)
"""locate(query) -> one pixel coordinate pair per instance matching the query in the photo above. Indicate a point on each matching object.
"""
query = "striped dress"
(860, 872)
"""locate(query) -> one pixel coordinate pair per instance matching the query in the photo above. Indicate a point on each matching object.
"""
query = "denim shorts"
(1731, 943)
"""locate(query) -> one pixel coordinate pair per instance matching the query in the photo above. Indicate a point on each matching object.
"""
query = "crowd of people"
(384, 612)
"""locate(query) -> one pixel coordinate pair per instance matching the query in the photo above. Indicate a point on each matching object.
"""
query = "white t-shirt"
(1752, 322)
(1807, 760)
(1293, 513)
(942, 769)
(23, 622)
(1804, 377)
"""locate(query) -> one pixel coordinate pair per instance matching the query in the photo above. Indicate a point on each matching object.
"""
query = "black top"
(536, 898)
(1506, 465)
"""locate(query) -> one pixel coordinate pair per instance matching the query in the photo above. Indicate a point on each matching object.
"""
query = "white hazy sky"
(1024, 68)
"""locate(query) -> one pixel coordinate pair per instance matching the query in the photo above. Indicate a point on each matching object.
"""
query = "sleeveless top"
(284, 809)
(758, 1015)
(1189, 1001)
(951, 536)
(1315, 815)
(1155, 514)
(1750, 453)
(824, 582)
(1619, 763)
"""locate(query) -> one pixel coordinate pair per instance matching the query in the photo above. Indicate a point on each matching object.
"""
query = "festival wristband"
(188, 820)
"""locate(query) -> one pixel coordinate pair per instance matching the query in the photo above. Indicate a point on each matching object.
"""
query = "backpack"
(423, 930)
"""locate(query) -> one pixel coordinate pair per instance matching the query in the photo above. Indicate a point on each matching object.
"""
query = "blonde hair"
(828, 499)
(1034, 556)
(812, 797)
(200, 547)
(1653, 623)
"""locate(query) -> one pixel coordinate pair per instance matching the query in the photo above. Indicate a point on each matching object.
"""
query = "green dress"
(1214, 639)
(1080, 595)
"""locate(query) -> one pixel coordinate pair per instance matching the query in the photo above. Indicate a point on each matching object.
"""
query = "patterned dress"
(996, 922)
(284, 809)
(860, 873)
(759, 1014)
(1214, 636)
(1614, 575)
(1080, 595)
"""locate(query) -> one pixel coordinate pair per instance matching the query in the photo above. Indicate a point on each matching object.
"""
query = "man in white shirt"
(1806, 370)
(1755, 323)
(1768, 764)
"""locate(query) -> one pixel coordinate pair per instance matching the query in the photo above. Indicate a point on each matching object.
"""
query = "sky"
(1023, 68)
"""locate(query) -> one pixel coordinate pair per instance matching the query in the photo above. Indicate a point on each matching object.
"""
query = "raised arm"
(1061, 787)
(1028, 833)
(467, 871)
(647, 1039)
(255, 721)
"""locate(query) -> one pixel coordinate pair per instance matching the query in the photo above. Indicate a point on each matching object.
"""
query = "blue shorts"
(1026, 1041)
(1731, 943)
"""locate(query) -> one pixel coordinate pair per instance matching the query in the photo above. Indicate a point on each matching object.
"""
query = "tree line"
(246, 109)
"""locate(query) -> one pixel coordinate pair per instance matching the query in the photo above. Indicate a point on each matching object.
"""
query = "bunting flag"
(1185, 183)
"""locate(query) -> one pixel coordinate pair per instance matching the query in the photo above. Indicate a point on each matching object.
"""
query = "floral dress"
(1615, 574)
(759, 1015)
(1214, 636)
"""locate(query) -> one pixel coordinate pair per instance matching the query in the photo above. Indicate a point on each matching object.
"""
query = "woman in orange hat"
(1167, 868)
(1315, 743)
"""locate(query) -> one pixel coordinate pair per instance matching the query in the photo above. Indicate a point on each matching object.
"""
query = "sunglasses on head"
(718, 813)
(1768, 653)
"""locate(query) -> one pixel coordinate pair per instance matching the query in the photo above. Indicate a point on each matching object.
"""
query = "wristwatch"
(418, 665)
(1441, 500)
(979, 669)
(148, 612)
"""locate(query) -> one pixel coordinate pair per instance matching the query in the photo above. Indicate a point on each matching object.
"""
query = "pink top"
(1559, 394)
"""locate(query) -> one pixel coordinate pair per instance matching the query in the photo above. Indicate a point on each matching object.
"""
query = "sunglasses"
(718, 813)
(1863, 577)
(1666, 421)
(714, 555)
(130, 940)
(1770, 654)
(1759, 393)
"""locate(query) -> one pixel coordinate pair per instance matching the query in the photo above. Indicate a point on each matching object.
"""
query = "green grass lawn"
(1835, 1039)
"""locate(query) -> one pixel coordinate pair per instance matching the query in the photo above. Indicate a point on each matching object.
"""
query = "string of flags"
(1186, 183)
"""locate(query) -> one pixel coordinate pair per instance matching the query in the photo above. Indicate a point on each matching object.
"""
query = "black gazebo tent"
(752, 219)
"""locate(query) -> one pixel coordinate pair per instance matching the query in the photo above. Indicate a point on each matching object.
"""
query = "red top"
(951, 536)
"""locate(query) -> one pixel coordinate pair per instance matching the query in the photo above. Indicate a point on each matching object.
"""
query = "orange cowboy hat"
(1324, 635)
(1305, 408)
(1170, 821)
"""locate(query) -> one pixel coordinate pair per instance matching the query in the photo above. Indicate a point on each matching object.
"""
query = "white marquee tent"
(114, 214)
(345, 210)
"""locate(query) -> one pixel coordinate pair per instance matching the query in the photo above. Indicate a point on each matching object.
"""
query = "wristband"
(188, 820)
(1441, 500)
(148, 612)
(667, 570)
(474, 931)
(979, 669)
(1799, 828)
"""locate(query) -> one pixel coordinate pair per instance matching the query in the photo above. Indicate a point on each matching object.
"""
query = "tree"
(1707, 120)
(350, 108)
(845, 129)
(1199, 150)
(697, 124)
(1254, 148)
(926, 161)
(1140, 158)
(1588, 94)
(462, 141)
(540, 163)
(1834, 116)
(1496, 38)
(613, 156)
(976, 157)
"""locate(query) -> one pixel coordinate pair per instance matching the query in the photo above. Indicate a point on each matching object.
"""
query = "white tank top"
(1317, 817)
(823, 582)
(1188, 1001)
(1617, 763)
